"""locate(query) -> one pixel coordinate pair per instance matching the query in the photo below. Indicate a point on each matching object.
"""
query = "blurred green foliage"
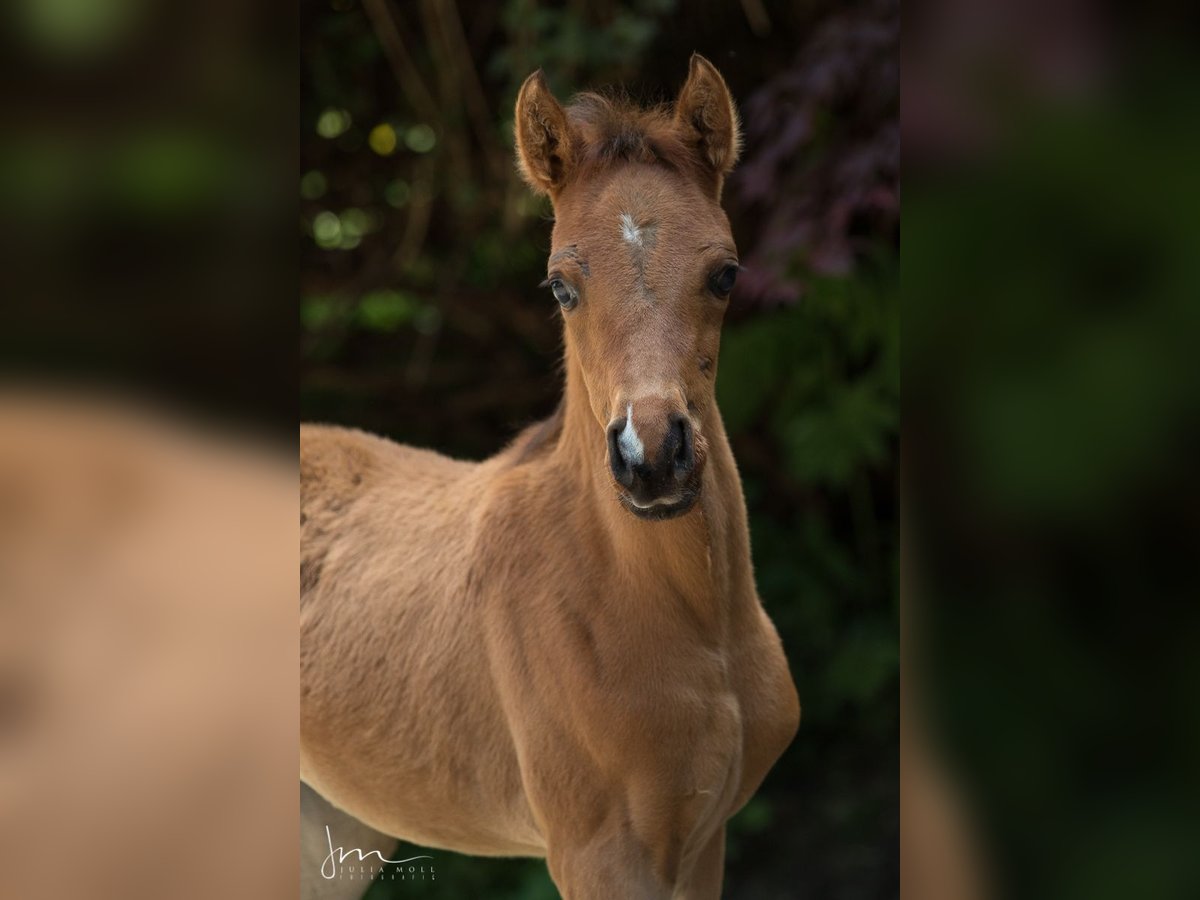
(1057, 516)
(421, 320)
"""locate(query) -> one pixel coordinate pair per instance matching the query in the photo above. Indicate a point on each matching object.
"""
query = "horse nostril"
(621, 469)
(685, 452)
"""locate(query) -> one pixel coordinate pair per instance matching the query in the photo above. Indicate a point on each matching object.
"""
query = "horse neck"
(703, 555)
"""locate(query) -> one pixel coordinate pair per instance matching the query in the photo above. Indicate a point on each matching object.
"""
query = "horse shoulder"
(766, 694)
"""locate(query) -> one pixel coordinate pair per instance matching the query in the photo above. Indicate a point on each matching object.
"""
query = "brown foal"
(559, 651)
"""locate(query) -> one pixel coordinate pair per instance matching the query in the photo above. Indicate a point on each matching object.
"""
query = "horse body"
(391, 647)
(498, 658)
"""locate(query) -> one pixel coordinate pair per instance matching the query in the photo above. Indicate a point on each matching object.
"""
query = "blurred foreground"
(148, 711)
(148, 717)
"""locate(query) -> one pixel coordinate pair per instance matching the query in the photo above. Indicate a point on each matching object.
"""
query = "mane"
(613, 128)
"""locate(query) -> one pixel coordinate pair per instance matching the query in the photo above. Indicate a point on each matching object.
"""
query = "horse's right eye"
(563, 293)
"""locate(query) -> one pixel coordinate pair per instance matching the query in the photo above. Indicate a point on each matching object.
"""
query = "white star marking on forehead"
(630, 231)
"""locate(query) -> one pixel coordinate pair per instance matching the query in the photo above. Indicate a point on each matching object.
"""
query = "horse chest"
(707, 720)
(643, 703)
(634, 685)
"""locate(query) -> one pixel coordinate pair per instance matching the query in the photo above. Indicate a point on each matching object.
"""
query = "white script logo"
(329, 867)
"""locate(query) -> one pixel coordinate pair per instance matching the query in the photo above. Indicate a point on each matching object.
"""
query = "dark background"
(1051, 431)
(421, 320)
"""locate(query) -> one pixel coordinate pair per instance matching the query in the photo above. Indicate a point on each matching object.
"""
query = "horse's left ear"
(706, 117)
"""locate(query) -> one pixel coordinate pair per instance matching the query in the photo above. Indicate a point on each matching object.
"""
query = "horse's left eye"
(721, 281)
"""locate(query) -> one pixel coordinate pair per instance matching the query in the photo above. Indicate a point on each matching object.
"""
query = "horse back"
(354, 483)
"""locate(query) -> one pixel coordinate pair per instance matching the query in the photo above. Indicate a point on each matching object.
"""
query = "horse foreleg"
(703, 882)
(607, 866)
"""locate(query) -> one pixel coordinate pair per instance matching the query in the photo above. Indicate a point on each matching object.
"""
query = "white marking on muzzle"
(630, 231)
(629, 442)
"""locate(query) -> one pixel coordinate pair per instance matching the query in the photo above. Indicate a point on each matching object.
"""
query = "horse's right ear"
(544, 141)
